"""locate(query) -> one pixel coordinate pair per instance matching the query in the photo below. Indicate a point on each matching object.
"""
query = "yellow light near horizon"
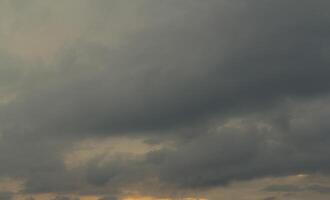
(89, 198)
(302, 175)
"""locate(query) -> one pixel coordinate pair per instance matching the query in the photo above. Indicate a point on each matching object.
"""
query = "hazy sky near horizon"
(164, 99)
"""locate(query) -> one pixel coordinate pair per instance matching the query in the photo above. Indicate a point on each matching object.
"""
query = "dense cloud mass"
(218, 91)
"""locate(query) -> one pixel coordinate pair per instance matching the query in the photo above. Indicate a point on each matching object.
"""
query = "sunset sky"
(164, 99)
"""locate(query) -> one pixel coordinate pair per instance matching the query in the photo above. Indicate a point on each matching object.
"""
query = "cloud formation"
(220, 91)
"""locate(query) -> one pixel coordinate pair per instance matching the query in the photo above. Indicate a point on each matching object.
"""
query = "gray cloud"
(245, 151)
(270, 198)
(283, 188)
(179, 72)
(296, 188)
(6, 196)
(65, 198)
(185, 73)
(109, 198)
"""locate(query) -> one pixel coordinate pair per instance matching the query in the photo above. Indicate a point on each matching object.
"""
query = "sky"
(164, 100)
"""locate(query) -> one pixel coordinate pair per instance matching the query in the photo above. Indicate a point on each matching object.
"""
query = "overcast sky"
(164, 99)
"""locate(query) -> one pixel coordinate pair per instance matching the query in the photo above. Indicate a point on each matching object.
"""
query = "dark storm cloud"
(254, 147)
(210, 61)
(191, 64)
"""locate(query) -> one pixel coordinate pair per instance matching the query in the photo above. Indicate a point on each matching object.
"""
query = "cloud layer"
(220, 91)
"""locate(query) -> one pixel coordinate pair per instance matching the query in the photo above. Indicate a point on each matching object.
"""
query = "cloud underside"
(219, 91)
